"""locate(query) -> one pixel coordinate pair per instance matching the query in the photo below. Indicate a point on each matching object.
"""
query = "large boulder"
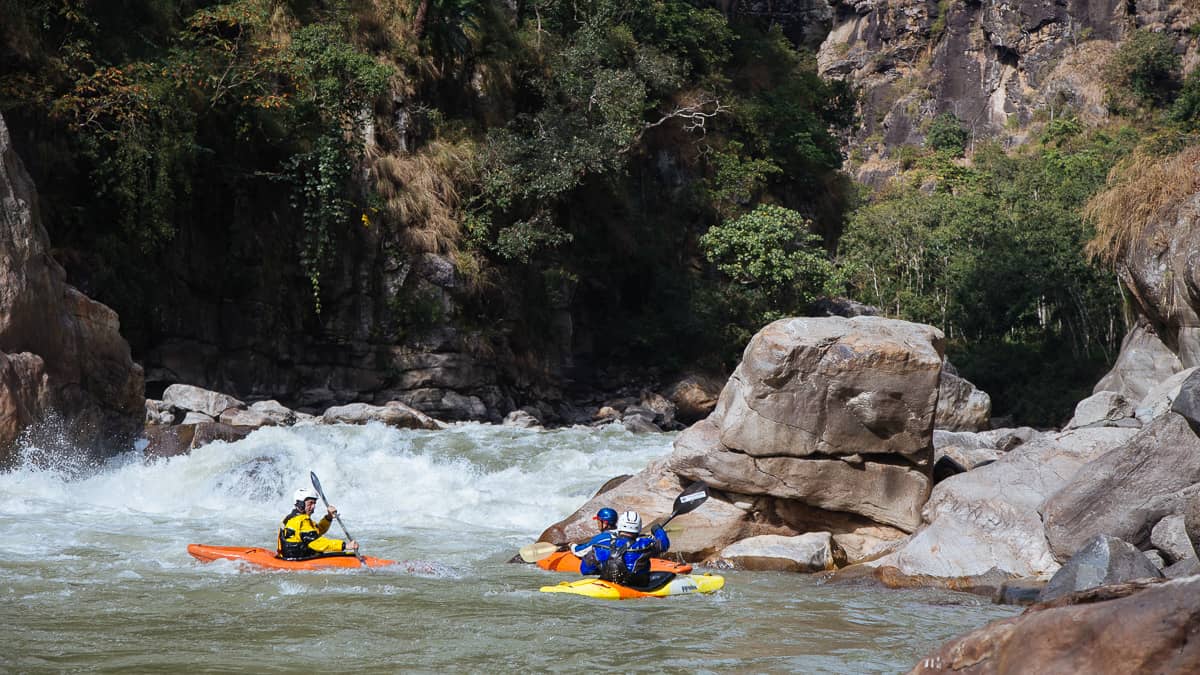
(888, 492)
(835, 413)
(834, 386)
(64, 352)
(1133, 628)
(989, 517)
(1125, 492)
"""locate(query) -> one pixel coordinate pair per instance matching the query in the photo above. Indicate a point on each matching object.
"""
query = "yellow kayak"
(680, 584)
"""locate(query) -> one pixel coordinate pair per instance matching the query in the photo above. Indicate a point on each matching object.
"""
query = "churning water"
(95, 576)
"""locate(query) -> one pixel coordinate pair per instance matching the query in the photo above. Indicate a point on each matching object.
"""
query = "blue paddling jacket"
(635, 553)
(604, 539)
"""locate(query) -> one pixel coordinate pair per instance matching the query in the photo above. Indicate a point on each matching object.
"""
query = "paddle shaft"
(317, 484)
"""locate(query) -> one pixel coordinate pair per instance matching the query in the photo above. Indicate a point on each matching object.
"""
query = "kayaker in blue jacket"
(625, 559)
(607, 520)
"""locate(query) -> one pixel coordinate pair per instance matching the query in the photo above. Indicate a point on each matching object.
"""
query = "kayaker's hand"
(352, 545)
(332, 511)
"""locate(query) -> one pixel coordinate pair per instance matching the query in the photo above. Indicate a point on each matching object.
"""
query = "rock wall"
(61, 353)
(996, 65)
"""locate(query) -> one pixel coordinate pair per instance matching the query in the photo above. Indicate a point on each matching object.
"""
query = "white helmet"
(304, 493)
(629, 522)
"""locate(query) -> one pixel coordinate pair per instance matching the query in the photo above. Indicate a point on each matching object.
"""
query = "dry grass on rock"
(1141, 189)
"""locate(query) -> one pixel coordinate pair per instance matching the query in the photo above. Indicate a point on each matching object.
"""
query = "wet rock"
(394, 414)
(1145, 627)
(247, 418)
(158, 412)
(193, 417)
(639, 423)
(1128, 490)
(209, 433)
(811, 552)
(169, 441)
(521, 419)
(1103, 561)
(61, 354)
(280, 414)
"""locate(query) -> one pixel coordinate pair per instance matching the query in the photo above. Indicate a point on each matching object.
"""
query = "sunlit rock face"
(832, 412)
(997, 66)
(61, 353)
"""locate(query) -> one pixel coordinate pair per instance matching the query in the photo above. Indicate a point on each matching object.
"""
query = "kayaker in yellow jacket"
(300, 538)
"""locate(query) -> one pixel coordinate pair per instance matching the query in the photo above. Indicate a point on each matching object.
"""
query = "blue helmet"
(606, 516)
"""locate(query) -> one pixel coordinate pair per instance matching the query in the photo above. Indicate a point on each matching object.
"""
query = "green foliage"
(738, 180)
(947, 134)
(319, 179)
(1186, 109)
(999, 265)
(771, 249)
(1144, 71)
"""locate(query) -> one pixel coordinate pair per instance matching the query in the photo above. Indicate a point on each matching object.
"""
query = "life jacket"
(628, 559)
(299, 538)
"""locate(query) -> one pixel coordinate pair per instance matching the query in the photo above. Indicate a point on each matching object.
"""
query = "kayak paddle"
(689, 500)
(317, 484)
(538, 551)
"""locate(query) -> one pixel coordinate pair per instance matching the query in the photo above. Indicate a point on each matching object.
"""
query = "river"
(94, 573)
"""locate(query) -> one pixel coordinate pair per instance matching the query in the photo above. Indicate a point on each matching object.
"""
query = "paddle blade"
(690, 499)
(535, 552)
(317, 485)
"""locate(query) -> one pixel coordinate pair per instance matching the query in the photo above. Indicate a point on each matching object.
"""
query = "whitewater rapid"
(94, 572)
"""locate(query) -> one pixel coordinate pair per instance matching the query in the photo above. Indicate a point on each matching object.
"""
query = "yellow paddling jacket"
(300, 538)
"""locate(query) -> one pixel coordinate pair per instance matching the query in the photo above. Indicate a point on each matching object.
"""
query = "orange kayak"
(266, 558)
(565, 561)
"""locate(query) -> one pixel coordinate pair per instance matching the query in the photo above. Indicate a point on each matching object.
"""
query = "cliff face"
(61, 354)
(997, 66)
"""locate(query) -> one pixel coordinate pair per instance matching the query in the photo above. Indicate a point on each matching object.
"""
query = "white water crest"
(95, 573)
